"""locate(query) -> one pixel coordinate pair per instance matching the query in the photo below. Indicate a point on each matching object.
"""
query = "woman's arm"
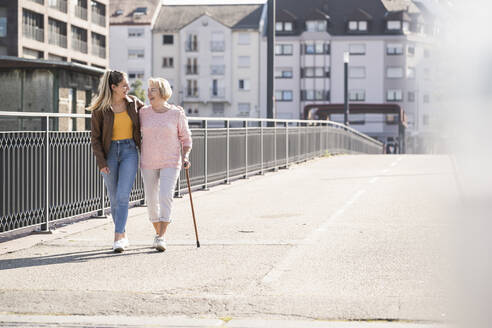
(96, 138)
(184, 136)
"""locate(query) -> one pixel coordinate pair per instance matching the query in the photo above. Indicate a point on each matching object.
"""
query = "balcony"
(217, 69)
(98, 19)
(191, 93)
(217, 93)
(33, 32)
(81, 12)
(191, 69)
(57, 39)
(98, 51)
(60, 5)
(41, 2)
(191, 46)
(79, 45)
(217, 46)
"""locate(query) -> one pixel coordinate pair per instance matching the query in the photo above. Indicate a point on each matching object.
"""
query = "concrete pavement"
(342, 238)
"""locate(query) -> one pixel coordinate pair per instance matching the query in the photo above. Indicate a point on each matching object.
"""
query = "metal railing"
(98, 19)
(33, 32)
(60, 5)
(80, 12)
(217, 92)
(41, 2)
(192, 93)
(191, 46)
(57, 39)
(52, 175)
(191, 69)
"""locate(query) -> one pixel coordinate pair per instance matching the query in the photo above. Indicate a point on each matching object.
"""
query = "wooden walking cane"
(192, 209)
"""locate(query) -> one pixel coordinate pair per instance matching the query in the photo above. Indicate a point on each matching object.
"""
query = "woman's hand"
(186, 163)
(105, 170)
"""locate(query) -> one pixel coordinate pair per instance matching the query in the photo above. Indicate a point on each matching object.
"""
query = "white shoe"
(154, 244)
(160, 244)
(120, 245)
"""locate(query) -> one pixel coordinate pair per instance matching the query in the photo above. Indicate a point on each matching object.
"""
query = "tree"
(137, 90)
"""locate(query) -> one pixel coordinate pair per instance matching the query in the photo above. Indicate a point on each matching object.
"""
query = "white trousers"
(159, 187)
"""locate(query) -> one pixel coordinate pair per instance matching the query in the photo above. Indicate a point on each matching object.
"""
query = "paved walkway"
(340, 238)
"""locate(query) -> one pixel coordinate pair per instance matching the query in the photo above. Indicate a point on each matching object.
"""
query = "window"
(3, 22)
(317, 48)
(394, 72)
(191, 43)
(394, 49)
(244, 61)
(406, 27)
(357, 49)
(244, 38)
(315, 95)
(136, 75)
(135, 32)
(426, 99)
(394, 95)
(279, 26)
(167, 62)
(283, 73)
(192, 66)
(283, 95)
(288, 26)
(357, 72)
(283, 26)
(136, 54)
(357, 26)
(410, 72)
(411, 96)
(218, 109)
(168, 39)
(316, 26)
(393, 25)
(244, 85)
(283, 50)
(244, 109)
(191, 88)
(411, 50)
(315, 72)
(357, 95)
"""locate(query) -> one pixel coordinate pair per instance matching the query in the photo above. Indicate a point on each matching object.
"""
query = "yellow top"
(122, 127)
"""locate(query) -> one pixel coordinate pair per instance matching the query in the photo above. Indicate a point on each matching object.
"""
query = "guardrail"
(52, 175)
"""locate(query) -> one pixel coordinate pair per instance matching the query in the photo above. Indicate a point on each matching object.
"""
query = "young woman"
(115, 137)
(166, 145)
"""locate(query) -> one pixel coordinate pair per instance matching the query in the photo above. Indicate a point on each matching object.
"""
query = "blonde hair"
(164, 87)
(103, 99)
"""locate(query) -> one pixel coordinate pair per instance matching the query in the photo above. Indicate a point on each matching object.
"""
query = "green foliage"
(137, 90)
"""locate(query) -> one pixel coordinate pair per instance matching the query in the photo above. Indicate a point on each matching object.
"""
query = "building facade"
(390, 46)
(211, 56)
(130, 40)
(59, 30)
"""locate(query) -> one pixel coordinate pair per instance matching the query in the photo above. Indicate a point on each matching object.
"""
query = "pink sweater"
(162, 137)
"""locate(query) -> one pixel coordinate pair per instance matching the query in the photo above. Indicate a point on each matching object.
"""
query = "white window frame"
(244, 61)
(411, 72)
(394, 72)
(354, 69)
(393, 25)
(394, 49)
(244, 38)
(357, 49)
(244, 109)
(246, 85)
(394, 95)
(136, 32)
(357, 95)
(135, 54)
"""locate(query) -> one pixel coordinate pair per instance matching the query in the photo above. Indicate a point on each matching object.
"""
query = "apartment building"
(390, 45)
(211, 56)
(60, 30)
(130, 41)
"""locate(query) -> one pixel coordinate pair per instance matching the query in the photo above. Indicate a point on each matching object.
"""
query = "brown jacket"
(102, 129)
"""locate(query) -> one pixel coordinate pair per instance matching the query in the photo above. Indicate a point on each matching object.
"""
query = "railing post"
(228, 154)
(205, 185)
(286, 144)
(299, 125)
(275, 168)
(261, 147)
(45, 227)
(246, 149)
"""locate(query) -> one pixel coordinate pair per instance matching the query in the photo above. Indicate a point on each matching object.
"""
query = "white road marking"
(298, 251)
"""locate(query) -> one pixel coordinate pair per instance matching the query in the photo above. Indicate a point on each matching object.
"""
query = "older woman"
(166, 145)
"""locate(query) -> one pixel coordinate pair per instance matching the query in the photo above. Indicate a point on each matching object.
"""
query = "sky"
(210, 2)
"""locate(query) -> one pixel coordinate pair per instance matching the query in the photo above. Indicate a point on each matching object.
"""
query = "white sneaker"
(120, 245)
(154, 244)
(160, 244)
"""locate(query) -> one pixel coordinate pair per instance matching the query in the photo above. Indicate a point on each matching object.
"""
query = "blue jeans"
(123, 163)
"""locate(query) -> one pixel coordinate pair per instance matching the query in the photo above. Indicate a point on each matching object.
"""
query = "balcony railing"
(41, 2)
(61, 5)
(98, 51)
(191, 46)
(217, 69)
(79, 45)
(191, 69)
(217, 46)
(57, 39)
(98, 19)
(217, 92)
(33, 32)
(191, 93)
(35, 194)
(81, 12)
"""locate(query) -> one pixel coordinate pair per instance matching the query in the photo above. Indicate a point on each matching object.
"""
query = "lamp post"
(346, 57)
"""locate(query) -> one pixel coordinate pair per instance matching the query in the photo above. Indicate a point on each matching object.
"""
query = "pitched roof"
(130, 12)
(173, 18)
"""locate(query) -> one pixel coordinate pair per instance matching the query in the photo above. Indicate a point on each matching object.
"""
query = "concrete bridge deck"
(340, 238)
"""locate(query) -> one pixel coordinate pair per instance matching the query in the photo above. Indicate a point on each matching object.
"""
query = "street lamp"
(346, 58)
